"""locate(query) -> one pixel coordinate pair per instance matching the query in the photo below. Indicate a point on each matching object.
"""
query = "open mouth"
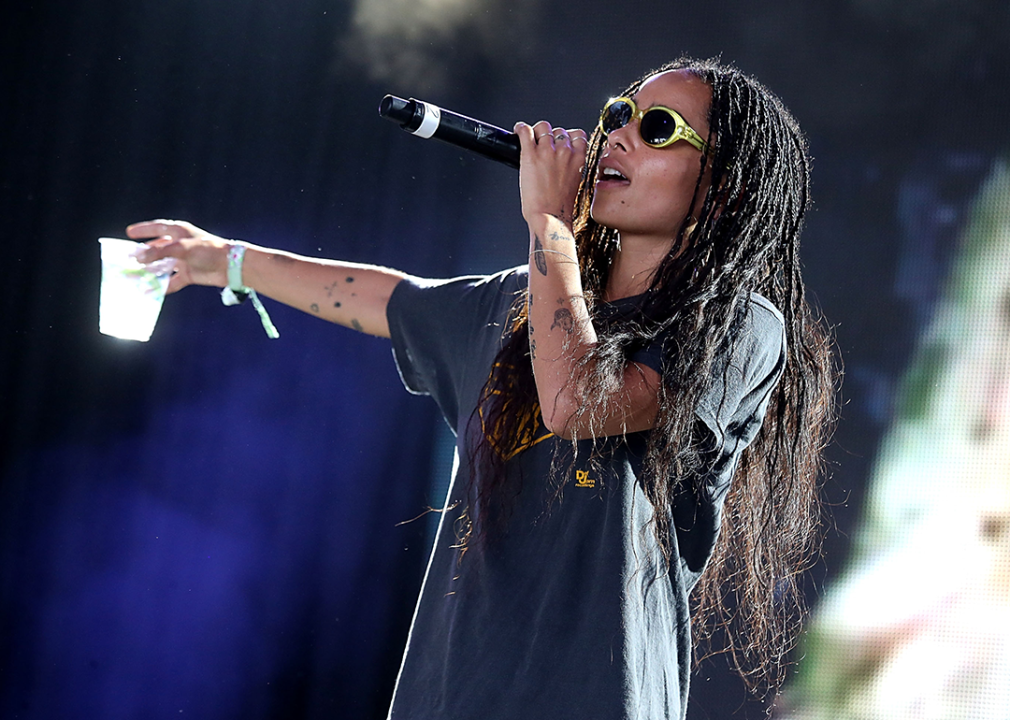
(609, 173)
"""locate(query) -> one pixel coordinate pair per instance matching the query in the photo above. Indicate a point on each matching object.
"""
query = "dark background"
(208, 524)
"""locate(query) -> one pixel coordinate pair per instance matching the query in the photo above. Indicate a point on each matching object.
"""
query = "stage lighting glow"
(411, 44)
(919, 627)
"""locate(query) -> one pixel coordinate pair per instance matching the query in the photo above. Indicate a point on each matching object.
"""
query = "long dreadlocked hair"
(746, 239)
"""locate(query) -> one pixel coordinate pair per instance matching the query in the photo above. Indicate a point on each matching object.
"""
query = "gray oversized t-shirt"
(570, 612)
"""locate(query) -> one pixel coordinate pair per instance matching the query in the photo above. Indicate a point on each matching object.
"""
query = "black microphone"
(427, 120)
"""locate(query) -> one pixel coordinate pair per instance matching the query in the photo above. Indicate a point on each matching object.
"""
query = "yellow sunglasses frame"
(682, 131)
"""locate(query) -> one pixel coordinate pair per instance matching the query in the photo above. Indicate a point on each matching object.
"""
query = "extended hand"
(202, 258)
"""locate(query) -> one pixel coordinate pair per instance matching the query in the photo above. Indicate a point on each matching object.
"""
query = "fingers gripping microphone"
(427, 120)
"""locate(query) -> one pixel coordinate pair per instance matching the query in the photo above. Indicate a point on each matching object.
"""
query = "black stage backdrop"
(208, 524)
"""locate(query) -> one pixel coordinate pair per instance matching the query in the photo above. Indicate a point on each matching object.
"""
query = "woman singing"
(639, 412)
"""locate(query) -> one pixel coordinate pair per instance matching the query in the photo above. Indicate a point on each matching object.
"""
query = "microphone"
(427, 120)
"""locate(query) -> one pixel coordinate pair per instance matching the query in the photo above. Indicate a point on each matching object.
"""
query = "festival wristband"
(236, 292)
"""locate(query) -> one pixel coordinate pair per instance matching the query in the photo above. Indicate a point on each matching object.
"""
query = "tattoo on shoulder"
(356, 325)
(564, 319)
(538, 255)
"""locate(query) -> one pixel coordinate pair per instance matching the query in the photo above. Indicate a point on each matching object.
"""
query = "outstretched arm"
(560, 329)
(350, 294)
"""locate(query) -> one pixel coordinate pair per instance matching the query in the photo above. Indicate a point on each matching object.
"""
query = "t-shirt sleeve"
(734, 404)
(736, 398)
(436, 325)
(731, 411)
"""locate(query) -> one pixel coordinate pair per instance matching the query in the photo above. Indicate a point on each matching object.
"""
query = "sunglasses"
(659, 126)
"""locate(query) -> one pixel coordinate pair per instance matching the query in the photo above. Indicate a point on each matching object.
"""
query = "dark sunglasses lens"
(658, 127)
(616, 116)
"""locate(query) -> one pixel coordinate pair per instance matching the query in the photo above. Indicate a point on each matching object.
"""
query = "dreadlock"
(745, 239)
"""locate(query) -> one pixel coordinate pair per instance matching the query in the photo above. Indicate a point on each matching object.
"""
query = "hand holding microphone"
(550, 178)
(430, 121)
(553, 161)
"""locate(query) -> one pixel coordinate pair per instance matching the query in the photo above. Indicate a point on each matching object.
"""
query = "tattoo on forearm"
(564, 319)
(538, 255)
(356, 325)
(314, 308)
(533, 349)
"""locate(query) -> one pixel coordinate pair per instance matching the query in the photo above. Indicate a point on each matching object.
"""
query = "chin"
(600, 218)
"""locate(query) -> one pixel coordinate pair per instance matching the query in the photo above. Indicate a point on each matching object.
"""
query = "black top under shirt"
(570, 612)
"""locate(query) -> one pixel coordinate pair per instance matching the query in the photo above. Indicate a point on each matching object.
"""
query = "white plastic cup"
(132, 293)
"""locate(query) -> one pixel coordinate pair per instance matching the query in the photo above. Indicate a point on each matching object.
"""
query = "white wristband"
(236, 254)
(236, 291)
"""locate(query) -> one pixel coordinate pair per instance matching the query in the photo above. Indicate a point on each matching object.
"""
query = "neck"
(634, 264)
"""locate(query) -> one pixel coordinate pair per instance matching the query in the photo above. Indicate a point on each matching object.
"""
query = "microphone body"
(427, 121)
